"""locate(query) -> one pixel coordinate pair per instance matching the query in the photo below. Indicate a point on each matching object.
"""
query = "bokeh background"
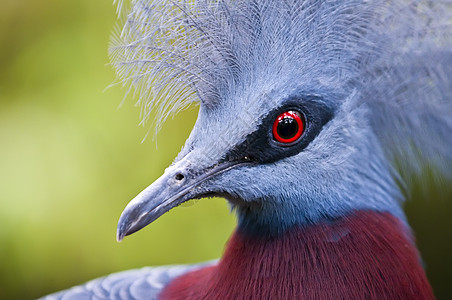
(71, 158)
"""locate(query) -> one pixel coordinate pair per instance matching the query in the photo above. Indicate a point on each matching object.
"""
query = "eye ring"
(288, 127)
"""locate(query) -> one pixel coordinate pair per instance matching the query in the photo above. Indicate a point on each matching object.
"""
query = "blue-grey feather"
(144, 283)
(395, 54)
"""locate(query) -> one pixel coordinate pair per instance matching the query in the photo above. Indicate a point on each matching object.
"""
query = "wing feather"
(144, 283)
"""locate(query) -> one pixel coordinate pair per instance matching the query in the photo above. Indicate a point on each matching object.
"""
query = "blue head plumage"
(370, 79)
(313, 117)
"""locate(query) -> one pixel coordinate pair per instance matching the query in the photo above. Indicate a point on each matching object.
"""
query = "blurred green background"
(70, 161)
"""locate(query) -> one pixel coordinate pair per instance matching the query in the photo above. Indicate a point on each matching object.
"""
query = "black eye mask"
(261, 146)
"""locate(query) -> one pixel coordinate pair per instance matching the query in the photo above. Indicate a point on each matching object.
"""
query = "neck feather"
(365, 255)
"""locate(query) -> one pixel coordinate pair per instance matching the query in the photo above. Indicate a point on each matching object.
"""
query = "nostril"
(179, 176)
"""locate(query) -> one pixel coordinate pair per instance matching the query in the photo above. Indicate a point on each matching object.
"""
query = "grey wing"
(145, 283)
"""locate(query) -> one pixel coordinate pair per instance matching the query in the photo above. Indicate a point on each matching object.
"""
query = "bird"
(313, 118)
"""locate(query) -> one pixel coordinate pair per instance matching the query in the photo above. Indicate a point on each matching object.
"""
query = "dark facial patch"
(261, 147)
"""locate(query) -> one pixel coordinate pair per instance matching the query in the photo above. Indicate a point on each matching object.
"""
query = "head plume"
(395, 56)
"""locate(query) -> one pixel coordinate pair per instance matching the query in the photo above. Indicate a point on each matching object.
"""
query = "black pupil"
(287, 128)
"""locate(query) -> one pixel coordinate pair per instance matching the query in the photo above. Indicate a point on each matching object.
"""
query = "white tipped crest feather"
(396, 54)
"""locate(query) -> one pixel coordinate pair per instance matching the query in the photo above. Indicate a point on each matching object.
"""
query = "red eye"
(288, 127)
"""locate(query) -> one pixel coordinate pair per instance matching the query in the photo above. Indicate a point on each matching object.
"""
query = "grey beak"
(177, 185)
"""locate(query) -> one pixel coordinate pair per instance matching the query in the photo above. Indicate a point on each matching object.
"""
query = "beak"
(177, 185)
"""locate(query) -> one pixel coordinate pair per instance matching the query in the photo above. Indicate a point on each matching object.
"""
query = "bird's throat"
(366, 255)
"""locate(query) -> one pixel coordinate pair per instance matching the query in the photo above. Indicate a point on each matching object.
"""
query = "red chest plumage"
(366, 255)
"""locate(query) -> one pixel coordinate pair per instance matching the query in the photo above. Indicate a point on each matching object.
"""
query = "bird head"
(284, 158)
(296, 109)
